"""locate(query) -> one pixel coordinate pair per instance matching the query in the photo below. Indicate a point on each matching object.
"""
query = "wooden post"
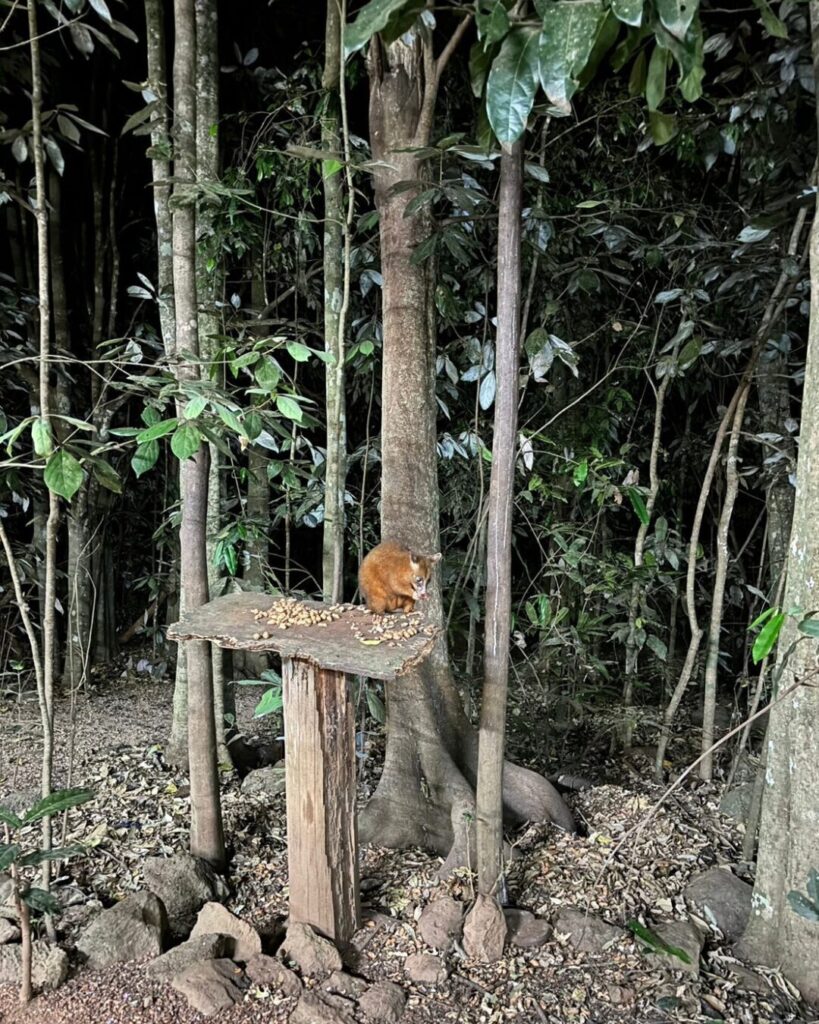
(320, 776)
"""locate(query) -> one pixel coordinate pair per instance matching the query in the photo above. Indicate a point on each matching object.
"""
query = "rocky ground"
(632, 920)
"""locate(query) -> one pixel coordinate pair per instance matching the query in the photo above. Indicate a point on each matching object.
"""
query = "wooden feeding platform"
(321, 645)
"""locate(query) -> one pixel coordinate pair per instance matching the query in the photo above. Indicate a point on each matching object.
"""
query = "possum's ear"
(436, 557)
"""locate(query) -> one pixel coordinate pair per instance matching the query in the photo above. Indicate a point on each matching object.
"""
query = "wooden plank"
(322, 838)
(354, 643)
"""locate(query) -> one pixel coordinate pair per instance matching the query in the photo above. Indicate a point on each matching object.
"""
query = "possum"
(392, 577)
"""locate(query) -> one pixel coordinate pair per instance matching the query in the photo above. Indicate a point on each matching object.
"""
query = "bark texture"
(499, 531)
(207, 839)
(426, 791)
(789, 826)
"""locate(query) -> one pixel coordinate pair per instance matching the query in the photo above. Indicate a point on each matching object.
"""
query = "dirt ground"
(622, 868)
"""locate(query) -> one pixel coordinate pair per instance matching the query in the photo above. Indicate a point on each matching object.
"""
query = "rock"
(682, 935)
(736, 803)
(132, 929)
(77, 915)
(346, 985)
(586, 932)
(264, 783)
(724, 899)
(8, 932)
(210, 985)
(525, 929)
(176, 960)
(184, 884)
(270, 972)
(749, 980)
(215, 919)
(441, 922)
(312, 1009)
(7, 908)
(311, 953)
(485, 930)
(49, 965)
(383, 1002)
(425, 969)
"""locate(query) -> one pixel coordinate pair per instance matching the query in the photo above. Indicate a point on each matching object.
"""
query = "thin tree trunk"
(491, 740)
(46, 690)
(207, 839)
(337, 230)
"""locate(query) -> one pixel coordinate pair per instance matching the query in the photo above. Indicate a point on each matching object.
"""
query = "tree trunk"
(426, 791)
(776, 933)
(207, 840)
(499, 531)
(336, 300)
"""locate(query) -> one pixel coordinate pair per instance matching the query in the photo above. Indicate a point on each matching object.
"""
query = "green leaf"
(372, 18)
(480, 61)
(638, 75)
(803, 907)
(813, 885)
(252, 423)
(9, 855)
(271, 701)
(136, 119)
(288, 407)
(40, 900)
(63, 474)
(8, 817)
(581, 472)
(301, 353)
(628, 11)
(230, 419)
(638, 505)
(656, 77)
(512, 84)
(41, 437)
(663, 127)
(157, 430)
(144, 458)
(56, 802)
(569, 32)
(149, 416)
(267, 374)
(769, 634)
(655, 943)
(655, 644)
(810, 627)
(195, 407)
(185, 441)
(677, 15)
(774, 26)
(58, 853)
(763, 617)
(376, 706)
(492, 22)
(105, 474)
(402, 20)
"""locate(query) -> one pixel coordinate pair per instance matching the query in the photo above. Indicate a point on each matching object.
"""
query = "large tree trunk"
(788, 853)
(207, 839)
(426, 791)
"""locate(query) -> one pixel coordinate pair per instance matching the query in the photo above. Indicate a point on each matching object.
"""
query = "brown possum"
(393, 577)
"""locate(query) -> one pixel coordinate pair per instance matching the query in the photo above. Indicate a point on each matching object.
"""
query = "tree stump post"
(319, 731)
(320, 780)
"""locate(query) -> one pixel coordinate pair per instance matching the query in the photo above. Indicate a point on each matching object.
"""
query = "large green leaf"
(61, 800)
(492, 21)
(656, 77)
(371, 19)
(768, 635)
(8, 817)
(156, 430)
(677, 15)
(56, 853)
(185, 441)
(41, 437)
(63, 474)
(512, 84)
(773, 24)
(569, 32)
(39, 899)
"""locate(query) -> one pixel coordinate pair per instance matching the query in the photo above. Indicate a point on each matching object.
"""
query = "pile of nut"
(289, 611)
(392, 627)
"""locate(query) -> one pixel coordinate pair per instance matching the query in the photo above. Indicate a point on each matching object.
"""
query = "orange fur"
(393, 577)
